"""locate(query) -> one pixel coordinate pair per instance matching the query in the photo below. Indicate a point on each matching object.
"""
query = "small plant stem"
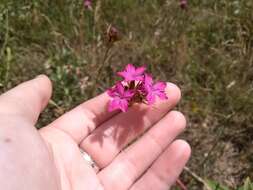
(8, 62)
(104, 59)
(181, 184)
(6, 38)
(197, 178)
(59, 108)
(6, 58)
(98, 73)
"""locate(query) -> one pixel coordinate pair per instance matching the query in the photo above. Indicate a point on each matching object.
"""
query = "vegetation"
(206, 49)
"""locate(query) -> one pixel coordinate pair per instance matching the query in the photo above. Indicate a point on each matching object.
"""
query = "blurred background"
(204, 46)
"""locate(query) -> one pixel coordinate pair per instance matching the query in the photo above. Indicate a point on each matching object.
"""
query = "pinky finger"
(166, 169)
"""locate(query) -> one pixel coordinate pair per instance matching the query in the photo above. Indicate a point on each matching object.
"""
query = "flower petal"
(113, 105)
(160, 86)
(123, 105)
(120, 88)
(140, 70)
(130, 73)
(110, 92)
(129, 94)
(150, 98)
(148, 80)
(130, 68)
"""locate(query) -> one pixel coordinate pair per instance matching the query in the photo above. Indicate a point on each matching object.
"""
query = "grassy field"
(206, 49)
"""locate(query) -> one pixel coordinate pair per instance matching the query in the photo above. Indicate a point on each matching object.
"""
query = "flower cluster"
(136, 87)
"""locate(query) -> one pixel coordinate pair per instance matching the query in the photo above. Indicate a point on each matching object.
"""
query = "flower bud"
(112, 34)
(87, 4)
(183, 4)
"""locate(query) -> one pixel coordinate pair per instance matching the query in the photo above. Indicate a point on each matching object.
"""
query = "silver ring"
(89, 160)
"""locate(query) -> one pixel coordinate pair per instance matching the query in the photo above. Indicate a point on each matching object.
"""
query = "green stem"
(100, 69)
(6, 38)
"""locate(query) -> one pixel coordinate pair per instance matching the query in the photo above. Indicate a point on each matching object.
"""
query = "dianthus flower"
(132, 73)
(121, 97)
(153, 90)
(183, 4)
(136, 87)
(88, 4)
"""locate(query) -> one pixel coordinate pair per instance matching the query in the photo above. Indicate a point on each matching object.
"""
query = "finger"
(27, 99)
(69, 160)
(166, 169)
(112, 136)
(133, 161)
(82, 120)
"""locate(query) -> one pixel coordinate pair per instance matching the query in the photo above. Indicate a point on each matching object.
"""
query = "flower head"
(183, 4)
(121, 97)
(132, 73)
(137, 87)
(153, 90)
(112, 34)
(87, 4)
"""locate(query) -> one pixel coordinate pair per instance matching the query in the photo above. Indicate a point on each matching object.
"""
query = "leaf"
(215, 185)
(248, 185)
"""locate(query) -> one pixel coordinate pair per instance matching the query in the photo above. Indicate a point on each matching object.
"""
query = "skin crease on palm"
(50, 158)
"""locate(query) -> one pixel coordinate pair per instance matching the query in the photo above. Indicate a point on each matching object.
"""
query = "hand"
(51, 159)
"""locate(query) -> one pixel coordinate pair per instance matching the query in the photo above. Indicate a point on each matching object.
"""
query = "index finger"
(82, 120)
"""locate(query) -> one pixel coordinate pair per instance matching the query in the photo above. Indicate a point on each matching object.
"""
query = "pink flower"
(136, 87)
(87, 4)
(153, 90)
(121, 97)
(183, 4)
(132, 74)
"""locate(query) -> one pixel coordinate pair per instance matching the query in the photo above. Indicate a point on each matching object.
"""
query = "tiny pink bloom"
(132, 73)
(88, 4)
(153, 90)
(183, 4)
(121, 97)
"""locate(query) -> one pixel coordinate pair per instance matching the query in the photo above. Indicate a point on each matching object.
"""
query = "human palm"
(133, 150)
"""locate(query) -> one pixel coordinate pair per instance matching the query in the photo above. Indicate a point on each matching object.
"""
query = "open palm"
(133, 150)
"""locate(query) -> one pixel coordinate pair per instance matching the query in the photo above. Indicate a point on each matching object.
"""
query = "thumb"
(27, 99)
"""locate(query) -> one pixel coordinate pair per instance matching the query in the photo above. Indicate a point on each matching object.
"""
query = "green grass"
(207, 50)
